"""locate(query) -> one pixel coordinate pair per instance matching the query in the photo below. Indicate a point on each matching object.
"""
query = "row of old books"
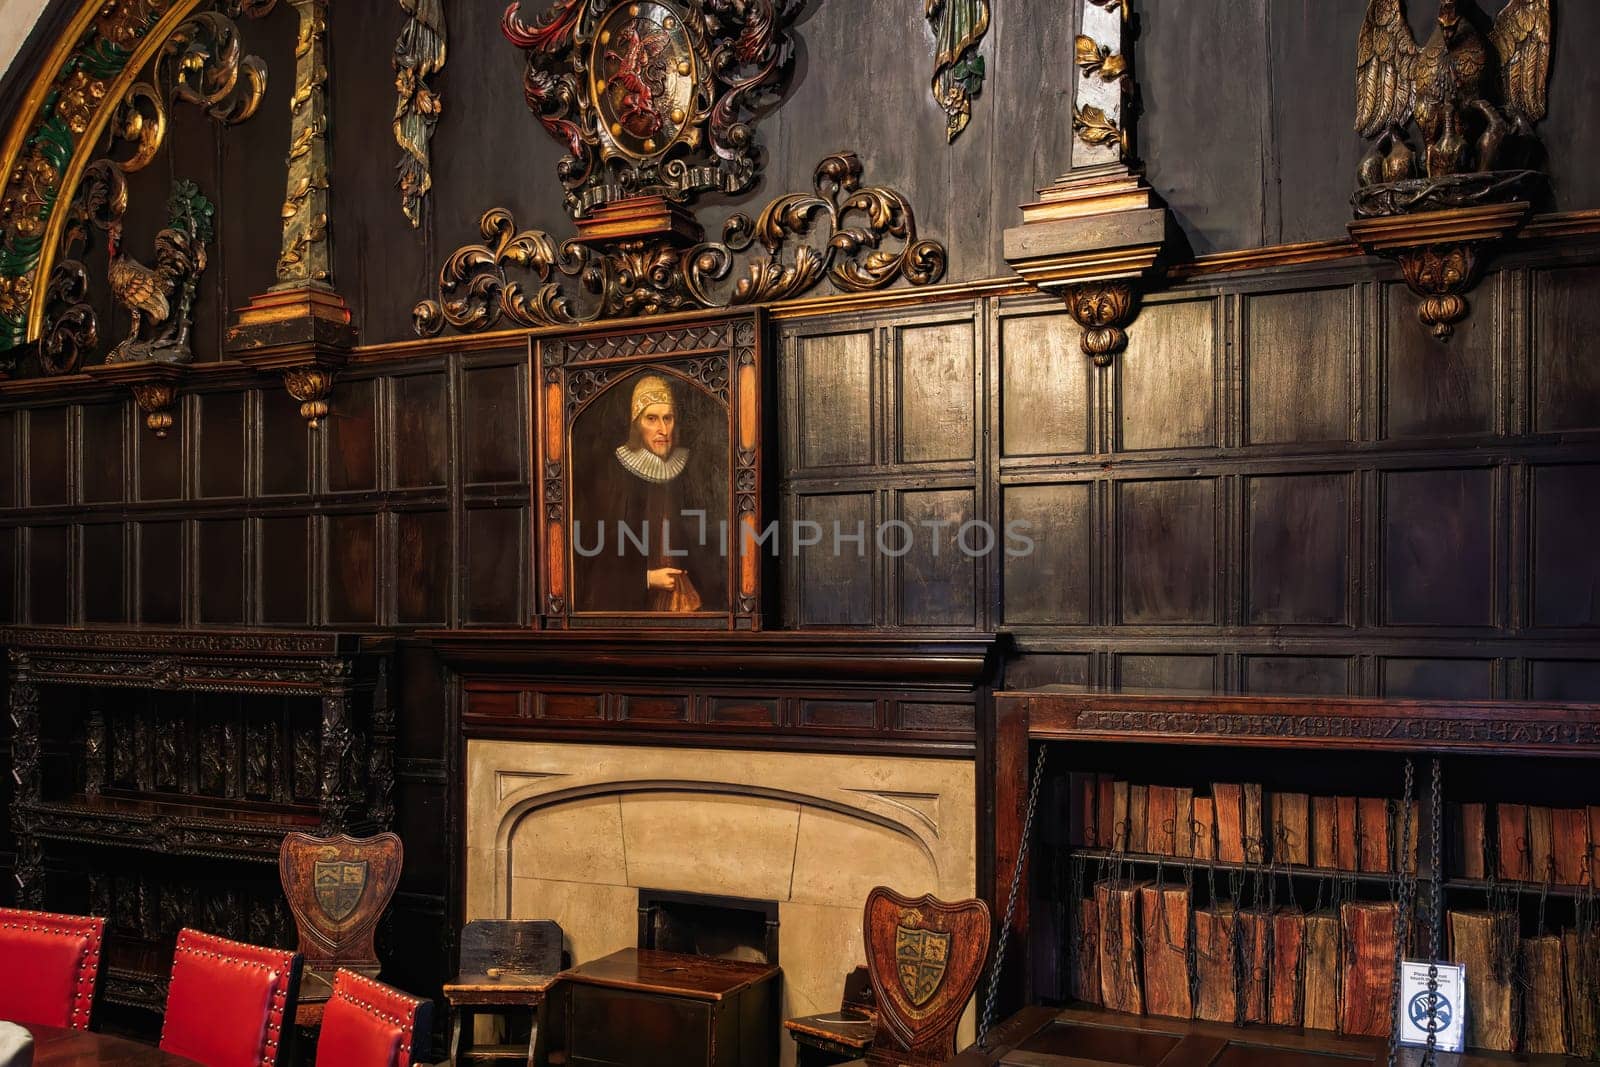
(1525, 843)
(1242, 823)
(1143, 948)
(1527, 994)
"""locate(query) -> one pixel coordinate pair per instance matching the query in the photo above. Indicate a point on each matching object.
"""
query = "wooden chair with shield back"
(924, 957)
(338, 888)
(508, 966)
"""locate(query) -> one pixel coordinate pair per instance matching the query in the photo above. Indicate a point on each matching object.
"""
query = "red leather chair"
(229, 1002)
(48, 967)
(369, 1024)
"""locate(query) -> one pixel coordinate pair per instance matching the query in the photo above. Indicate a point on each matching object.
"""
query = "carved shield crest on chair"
(339, 885)
(924, 956)
(920, 959)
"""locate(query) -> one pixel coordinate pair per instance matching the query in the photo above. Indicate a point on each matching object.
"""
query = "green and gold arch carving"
(72, 100)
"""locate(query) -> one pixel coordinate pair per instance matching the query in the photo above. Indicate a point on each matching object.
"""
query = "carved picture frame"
(656, 528)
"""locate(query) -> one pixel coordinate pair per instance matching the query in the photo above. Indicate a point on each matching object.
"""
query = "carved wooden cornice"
(820, 658)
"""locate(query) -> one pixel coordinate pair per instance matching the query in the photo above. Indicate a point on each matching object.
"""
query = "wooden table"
(670, 1009)
(54, 1046)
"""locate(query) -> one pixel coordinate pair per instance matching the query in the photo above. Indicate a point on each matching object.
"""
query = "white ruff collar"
(643, 463)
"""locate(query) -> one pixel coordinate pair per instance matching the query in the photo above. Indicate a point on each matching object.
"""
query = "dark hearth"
(730, 928)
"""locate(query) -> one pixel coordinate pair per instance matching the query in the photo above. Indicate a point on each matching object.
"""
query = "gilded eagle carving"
(1471, 94)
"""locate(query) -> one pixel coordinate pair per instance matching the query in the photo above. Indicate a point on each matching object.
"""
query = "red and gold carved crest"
(924, 956)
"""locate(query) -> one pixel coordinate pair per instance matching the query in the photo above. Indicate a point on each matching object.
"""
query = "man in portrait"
(631, 493)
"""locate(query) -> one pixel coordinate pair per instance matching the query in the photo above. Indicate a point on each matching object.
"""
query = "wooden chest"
(673, 1010)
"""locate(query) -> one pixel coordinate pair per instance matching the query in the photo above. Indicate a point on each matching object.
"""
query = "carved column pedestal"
(304, 335)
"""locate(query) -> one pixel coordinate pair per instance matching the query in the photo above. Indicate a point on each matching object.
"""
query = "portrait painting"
(652, 464)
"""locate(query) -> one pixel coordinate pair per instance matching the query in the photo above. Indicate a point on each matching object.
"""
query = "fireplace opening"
(730, 928)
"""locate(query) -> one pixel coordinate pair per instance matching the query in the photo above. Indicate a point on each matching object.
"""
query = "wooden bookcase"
(158, 770)
(1522, 757)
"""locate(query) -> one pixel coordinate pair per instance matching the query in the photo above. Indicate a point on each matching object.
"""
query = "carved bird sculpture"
(1444, 84)
(142, 291)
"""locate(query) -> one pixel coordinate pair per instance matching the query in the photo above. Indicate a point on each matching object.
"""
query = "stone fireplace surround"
(572, 832)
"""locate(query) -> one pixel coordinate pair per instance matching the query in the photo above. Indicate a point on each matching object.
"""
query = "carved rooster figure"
(163, 296)
(1445, 86)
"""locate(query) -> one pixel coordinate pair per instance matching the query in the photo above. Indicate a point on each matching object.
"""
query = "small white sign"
(1442, 1012)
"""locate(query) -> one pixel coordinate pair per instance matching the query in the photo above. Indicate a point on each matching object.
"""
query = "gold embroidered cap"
(650, 390)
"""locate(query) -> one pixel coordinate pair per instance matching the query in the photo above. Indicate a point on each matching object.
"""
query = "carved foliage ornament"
(652, 97)
(958, 28)
(477, 289)
(419, 54)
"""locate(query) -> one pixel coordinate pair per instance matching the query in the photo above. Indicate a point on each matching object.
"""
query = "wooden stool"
(507, 965)
(841, 1036)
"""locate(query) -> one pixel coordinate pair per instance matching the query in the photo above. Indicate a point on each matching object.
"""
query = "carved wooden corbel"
(1096, 235)
(154, 385)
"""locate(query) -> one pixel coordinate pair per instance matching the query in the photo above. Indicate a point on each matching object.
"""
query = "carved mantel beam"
(1096, 235)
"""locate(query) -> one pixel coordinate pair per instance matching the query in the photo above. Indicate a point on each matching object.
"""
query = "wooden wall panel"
(1044, 387)
(1564, 680)
(1298, 549)
(1298, 363)
(934, 377)
(1566, 566)
(1438, 548)
(1438, 388)
(220, 444)
(420, 430)
(160, 475)
(352, 436)
(835, 381)
(1566, 377)
(49, 574)
(937, 579)
(1135, 671)
(1442, 679)
(8, 458)
(1166, 381)
(1167, 551)
(1048, 584)
(422, 577)
(494, 566)
(103, 555)
(493, 423)
(104, 452)
(47, 457)
(836, 588)
(219, 580)
(283, 570)
(161, 573)
(350, 554)
(1298, 675)
(284, 459)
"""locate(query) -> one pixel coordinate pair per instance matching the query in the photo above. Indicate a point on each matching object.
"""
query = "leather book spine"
(1216, 977)
(1542, 844)
(1408, 863)
(1254, 947)
(1138, 818)
(1473, 843)
(1291, 829)
(1183, 822)
(1205, 828)
(1321, 986)
(1120, 988)
(1582, 958)
(1119, 816)
(1287, 968)
(1571, 851)
(1324, 833)
(1255, 825)
(1105, 809)
(1083, 825)
(1347, 858)
(1366, 1004)
(1164, 915)
(1544, 997)
(1163, 810)
(1084, 952)
(1228, 801)
(1486, 944)
(1511, 842)
(1373, 835)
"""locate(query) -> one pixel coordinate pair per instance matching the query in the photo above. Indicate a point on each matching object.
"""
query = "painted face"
(658, 427)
